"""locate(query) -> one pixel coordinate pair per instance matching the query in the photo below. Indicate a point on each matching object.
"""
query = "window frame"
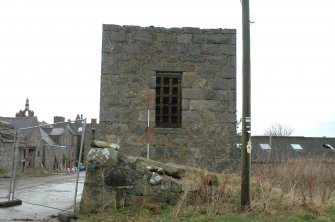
(297, 146)
(327, 146)
(265, 146)
(168, 100)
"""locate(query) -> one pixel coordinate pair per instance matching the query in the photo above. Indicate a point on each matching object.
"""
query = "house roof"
(56, 131)
(20, 122)
(45, 125)
(6, 132)
(277, 148)
(76, 126)
(70, 129)
(46, 138)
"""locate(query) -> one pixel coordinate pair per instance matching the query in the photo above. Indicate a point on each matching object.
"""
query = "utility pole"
(246, 121)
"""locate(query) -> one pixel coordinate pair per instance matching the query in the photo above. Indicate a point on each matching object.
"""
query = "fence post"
(79, 160)
(14, 164)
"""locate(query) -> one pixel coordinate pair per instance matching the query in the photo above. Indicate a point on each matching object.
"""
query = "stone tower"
(190, 74)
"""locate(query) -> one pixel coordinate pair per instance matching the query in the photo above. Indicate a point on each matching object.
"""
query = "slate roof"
(45, 125)
(277, 148)
(20, 122)
(6, 132)
(25, 122)
(56, 131)
(70, 129)
(46, 138)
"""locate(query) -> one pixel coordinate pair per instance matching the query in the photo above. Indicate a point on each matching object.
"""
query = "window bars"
(168, 100)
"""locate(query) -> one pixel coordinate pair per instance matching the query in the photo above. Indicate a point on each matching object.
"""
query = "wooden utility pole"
(246, 121)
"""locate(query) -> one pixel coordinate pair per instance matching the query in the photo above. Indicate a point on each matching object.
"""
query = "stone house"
(92, 132)
(68, 134)
(6, 145)
(64, 139)
(187, 77)
(43, 145)
(31, 143)
(36, 148)
(54, 155)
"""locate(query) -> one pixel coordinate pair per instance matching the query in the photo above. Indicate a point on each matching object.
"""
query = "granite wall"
(206, 59)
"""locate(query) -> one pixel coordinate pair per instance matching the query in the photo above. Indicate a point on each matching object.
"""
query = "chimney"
(94, 121)
(59, 119)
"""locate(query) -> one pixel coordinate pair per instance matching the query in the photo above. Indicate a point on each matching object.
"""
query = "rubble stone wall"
(55, 157)
(6, 155)
(116, 180)
(91, 133)
(206, 59)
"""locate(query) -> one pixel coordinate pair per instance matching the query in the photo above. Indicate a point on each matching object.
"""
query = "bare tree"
(278, 129)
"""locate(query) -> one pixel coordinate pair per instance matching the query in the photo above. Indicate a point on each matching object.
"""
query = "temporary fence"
(30, 158)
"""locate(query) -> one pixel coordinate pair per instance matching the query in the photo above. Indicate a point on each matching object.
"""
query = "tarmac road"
(42, 197)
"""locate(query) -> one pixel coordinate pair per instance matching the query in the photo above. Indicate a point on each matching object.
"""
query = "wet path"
(42, 197)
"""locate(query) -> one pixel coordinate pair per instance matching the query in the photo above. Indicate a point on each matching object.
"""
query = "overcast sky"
(50, 52)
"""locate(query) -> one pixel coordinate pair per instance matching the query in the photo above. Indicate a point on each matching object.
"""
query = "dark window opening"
(168, 100)
(93, 134)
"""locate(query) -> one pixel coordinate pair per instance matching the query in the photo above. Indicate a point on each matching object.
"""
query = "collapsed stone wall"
(115, 180)
(206, 58)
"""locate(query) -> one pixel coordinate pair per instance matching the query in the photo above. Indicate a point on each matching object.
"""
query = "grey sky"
(50, 51)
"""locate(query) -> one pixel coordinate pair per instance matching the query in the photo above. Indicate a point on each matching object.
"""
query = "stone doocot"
(133, 59)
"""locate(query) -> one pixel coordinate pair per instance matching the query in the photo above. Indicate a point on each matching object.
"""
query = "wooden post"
(246, 120)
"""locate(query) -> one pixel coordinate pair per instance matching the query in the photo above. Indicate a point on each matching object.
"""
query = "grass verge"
(299, 190)
(4, 173)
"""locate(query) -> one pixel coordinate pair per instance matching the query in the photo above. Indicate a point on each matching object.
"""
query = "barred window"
(168, 100)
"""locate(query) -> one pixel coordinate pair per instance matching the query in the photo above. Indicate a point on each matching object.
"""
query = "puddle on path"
(43, 201)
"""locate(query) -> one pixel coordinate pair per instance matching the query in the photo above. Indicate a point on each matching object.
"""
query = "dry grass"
(275, 188)
(307, 183)
(296, 190)
(217, 194)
